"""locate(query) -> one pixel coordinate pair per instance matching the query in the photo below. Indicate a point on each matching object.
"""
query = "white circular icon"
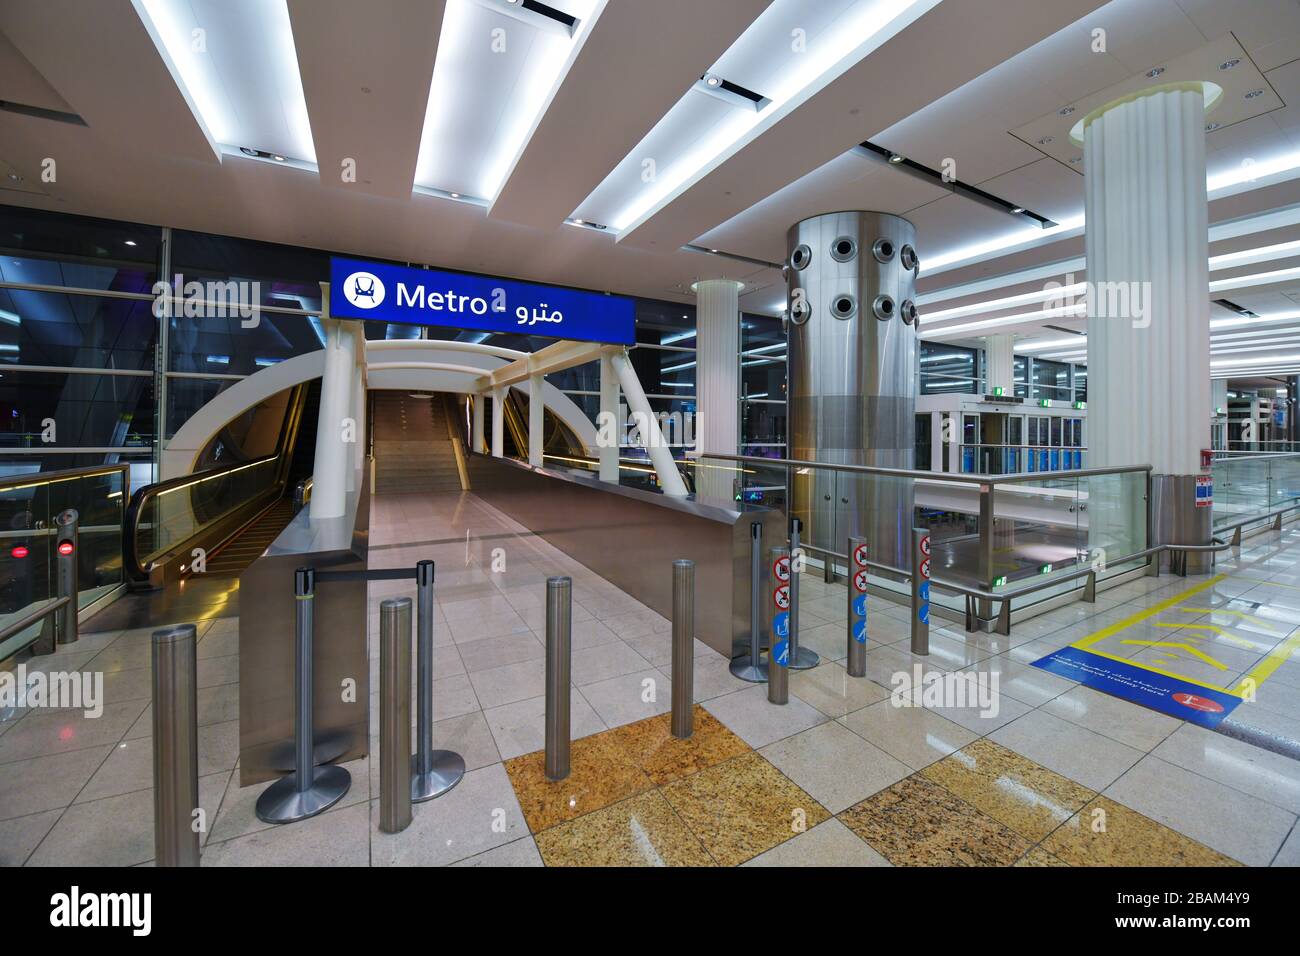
(365, 290)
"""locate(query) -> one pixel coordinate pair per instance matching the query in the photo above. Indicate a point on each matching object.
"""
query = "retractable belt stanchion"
(920, 591)
(310, 789)
(394, 714)
(559, 666)
(857, 588)
(751, 667)
(683, 674)
(779, 626)
(433, 772)
(801, 658)
(175, 747)
(65, 619)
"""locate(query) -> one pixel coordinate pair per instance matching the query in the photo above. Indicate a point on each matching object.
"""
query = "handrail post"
(984, 608)
(175, 746)
(921, 591)
(433, 772)
(683, 673)
(559, 665)
(310, 789)
(66, 552)
(856, 663)
(750, 667)
(394, 714)
(779, 625)
(801, 658)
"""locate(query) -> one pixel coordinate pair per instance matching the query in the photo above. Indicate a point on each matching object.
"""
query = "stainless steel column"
(175, 747)
(559, 665)
(801, 658)
(683, 674)
(433, 772)
(920, 591)
(66, 557)
(857, 619)
(394, 714)
(309, 790)
(778, 617)
(750, 667)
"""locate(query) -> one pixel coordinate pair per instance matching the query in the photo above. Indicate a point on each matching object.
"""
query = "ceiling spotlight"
(579, 222)
(1155, 71)
(1211, 127)
(895, 158)
(1045, 140)
(248, 151)
(1254, 93)
(1065, 111)
(278, 158)
(711, 80)
(1229, 64)
(713, 250)
(1017, 210)
(455, 195)
(130, 242)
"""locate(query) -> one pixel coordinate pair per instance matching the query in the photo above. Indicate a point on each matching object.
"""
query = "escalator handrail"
(132, 566)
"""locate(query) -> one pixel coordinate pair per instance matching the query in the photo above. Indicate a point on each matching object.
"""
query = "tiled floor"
(1060, 775)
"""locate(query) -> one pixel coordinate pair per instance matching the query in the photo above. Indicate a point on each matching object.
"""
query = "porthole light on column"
(908, 311)
(844, 306)
(843, 249)
(883, 250)
(801, 256)
(908, 258)
(800, 310)
(883, 308)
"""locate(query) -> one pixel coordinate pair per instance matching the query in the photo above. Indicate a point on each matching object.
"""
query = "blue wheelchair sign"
(860, 631)
(781, 624)
(860, 605)
(781, 653)
(924, 590)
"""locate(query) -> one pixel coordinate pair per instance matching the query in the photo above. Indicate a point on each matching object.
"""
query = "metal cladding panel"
(854, 369)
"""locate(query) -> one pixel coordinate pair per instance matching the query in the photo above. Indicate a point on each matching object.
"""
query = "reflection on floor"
(1060, 774)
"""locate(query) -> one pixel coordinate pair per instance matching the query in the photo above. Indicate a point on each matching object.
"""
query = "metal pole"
(559, 665)
(683, 674)
(750, 667)
(394, 714)
(779, 624)
(801, 658)
(175, 747)
(920, 591)
(433, 772)
(309, 790)
(66, 548)
(857, 619)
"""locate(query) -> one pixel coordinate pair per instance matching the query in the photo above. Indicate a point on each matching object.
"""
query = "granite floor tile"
(640, 831)
(339, 837)
(493, 652)
(664, 758)
(1040, 857)
(522, 852)
(19, 836)
(918, 823)
(44, 783)
(711, 677)
(631, 697)
(1083, 756)
(914, 735)
(1015, 791)
(743, 807)
(507, 684)
(1105, 833)
(601, 773)
(590, 665)
(830, 689)
(61, 731)
(835, 765)
(520, 727)
(757, 722)
(1138, 727)
(828, 844)
(1234, 763)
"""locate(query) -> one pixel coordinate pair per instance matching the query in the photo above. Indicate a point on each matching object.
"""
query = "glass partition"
(1248, 486)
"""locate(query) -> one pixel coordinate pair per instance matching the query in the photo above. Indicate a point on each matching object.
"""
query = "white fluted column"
(480, 401)
(1148, 311)
(717, 380)
(1000, 354)
(333, 460)
(536, 420)
(608, 424)
(498, 422)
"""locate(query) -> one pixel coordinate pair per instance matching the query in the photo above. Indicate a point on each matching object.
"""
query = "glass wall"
(1051, 380)
(947, 369)
(764, 377)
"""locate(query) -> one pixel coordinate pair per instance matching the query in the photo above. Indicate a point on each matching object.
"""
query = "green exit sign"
(1081, 405)
(998, 390)
(999, 582)
(1045, 402)
(1045, 569)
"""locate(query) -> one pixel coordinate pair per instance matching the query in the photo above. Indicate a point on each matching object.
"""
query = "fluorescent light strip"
(1051, 344)
(1074, 311)
(992, 305)
(874, 22)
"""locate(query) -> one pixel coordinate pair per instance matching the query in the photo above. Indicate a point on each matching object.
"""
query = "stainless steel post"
(309, 790)
(433, 772)
(779, 623)
(683, 675)
(175, 747)
(857, 619)
(66, 557)
(559, 665)
(801, 658)
(751, 667)
(920, 591)
(394, 714)
(984, 607)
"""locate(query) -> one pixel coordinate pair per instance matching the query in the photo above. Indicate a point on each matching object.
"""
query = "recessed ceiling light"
(1065, 111)
(130, 242)
(278, 158)
(248, 151)
(1211, 127)
(1253, 93)
(1155, 71)
(1017, 210)
(1045, 140)
(711, 80)
(580, 222)
(1229, 64)
(713, 250)
(895, 158)
(455, 195)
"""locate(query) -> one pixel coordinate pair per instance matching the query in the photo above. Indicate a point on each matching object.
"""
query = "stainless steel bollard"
(856, 664)
(920, 591)
(683, 675)
(394, 714)
(750, 666)
(310, 789)
(433, 772)
(559, 667)
(65, 550)
(175, 746)
(801, 658)
(778, 625)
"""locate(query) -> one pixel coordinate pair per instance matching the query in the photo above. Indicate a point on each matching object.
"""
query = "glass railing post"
(985, 606)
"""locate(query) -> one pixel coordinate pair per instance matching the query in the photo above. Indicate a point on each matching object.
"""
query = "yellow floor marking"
(1223, 610)
(1271, 662)
(1084, 643)
(1184, 647)
(1223, 632)
(1161, 670)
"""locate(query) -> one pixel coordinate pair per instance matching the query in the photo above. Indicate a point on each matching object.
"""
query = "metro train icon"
(365, 290)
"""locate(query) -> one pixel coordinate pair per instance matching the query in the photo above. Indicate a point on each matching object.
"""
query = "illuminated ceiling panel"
(499, 64)
(235, 62)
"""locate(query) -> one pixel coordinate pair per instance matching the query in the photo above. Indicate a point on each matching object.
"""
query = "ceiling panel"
(1268, 29)
(20, 82)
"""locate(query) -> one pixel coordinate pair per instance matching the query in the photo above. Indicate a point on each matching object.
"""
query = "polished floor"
(1059, 775)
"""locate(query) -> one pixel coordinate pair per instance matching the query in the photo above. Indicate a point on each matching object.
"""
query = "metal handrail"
(40, 614)
(931, 475)
(35, 478)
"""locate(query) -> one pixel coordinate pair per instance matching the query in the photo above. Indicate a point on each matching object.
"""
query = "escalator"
(217, 521)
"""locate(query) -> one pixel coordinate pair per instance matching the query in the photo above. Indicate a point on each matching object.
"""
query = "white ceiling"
(559, 125)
